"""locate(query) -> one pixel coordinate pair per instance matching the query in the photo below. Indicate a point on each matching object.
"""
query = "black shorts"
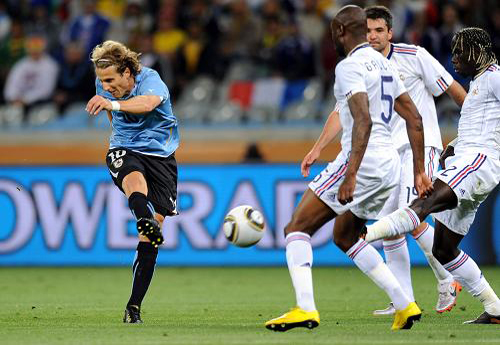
(160, 174)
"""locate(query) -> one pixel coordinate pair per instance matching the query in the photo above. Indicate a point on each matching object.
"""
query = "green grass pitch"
(220, 306)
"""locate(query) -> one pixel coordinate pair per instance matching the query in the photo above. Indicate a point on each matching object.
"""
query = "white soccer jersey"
(424, 78)
(366, 70)
(479, 124)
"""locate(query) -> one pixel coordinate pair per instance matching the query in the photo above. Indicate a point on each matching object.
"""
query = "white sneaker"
(448, 293)
(390, 310)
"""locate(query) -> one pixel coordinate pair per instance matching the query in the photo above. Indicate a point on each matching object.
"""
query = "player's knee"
(344, 242)
(441, 254)
(134, 182)
(295, 225)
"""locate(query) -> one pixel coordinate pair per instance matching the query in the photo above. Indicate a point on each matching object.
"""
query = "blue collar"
(390, 52)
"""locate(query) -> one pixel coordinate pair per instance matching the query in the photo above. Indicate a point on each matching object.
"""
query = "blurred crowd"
(45, 44)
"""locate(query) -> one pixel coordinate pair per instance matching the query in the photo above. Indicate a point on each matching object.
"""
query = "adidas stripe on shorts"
(377, 176)
(471, 176)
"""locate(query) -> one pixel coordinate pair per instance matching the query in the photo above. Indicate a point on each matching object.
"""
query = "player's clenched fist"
(346, 190)
(96, 104)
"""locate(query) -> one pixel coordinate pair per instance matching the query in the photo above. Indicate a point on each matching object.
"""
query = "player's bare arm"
(457, 93)
(330, 130)
(136, 105)
(359, 106)
(405, 107)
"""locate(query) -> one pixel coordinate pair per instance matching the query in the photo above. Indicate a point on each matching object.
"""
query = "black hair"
(379, 12)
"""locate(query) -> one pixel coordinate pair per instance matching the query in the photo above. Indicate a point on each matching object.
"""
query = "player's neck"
(351, 46)
(386, 50)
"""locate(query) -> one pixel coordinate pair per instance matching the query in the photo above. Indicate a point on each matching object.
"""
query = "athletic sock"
(397, 259)
(143, 269)
(399, 222)
(467, 273)
(299, 258)
(425, 240)
(140, 206)
(371, 263)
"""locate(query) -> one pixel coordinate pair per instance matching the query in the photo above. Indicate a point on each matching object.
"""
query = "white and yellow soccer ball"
(244, 226)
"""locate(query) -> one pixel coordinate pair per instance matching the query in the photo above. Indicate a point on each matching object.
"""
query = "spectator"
(11, 50)
(76, 78)
(310, 23)
(32, 79)
(5, 22)
(168, 37)
(297, 51)
(135, 20)
(241, 32)
(40, 22)
(495, 30)
(88, 29)
(451, 24)
(150, 58)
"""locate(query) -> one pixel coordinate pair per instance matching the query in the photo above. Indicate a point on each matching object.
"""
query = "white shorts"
(472, 176)
(377, 176)
(405, 192)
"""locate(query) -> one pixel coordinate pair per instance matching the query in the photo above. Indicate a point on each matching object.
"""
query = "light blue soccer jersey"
(152, 134)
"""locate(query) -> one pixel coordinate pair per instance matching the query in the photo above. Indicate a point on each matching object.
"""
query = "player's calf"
(151, 229)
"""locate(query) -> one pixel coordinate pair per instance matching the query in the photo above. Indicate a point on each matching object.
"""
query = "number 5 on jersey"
(388, 98)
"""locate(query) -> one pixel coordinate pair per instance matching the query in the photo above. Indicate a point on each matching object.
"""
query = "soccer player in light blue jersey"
(141, 156)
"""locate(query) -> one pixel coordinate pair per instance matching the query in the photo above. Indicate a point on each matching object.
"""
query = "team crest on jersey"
(475, 92)
(118, 163)
(401, 76)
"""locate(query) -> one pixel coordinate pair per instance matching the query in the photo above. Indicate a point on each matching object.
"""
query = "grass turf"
(220, 306)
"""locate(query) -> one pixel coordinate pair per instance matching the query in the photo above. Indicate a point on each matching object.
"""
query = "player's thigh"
(161, 176)
(125, 165)
(310, 214)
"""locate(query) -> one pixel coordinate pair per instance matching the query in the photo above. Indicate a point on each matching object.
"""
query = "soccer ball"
(244, 226)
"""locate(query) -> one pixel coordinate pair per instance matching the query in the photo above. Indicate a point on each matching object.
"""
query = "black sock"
(143, 268)
(138, 204)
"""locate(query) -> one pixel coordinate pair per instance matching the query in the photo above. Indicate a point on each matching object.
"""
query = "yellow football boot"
(404, 318)
(296, 317)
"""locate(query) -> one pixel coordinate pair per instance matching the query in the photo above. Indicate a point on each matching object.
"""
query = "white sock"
(299, 258)
(397, 259)
(425, 240)
(466, 271)
(371, 263)
(399, 222)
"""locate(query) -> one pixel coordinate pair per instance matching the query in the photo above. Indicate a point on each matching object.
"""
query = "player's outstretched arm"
(457, 93)
(405, 107)
(358, 104)
(331, 128)
(136, 105)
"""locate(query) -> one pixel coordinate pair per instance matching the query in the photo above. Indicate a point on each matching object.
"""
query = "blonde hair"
(112, 53)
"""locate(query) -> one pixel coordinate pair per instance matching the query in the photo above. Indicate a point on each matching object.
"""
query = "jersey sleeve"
(350, 79)
(436, 78)
(152, 85)
(494, 84)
